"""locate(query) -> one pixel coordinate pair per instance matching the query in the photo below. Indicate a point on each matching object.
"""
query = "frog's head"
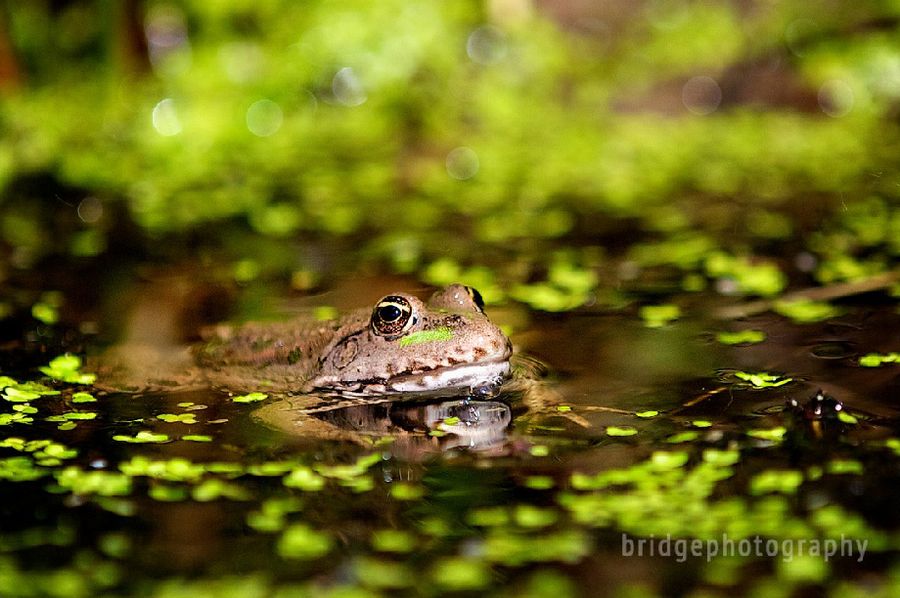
(410, 346)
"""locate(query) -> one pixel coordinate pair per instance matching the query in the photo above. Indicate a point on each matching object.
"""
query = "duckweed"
(621, 431)
(763, 379)
(67, 368)
(539, 450)
(647, 414)
(213, 489)
(181, 418)
(304, 478)
(27, 391)
(844, 466)
(775, 434)
(252, 397)
(393, 540)
(103, 483)
(83, 397)
(515, 549)
(657, 316)
(142, 437)
(530, 516)
(168, 493)
(177, 469)
(806, 311)
(299, 541)
(347, 472)
(784, 481)
(197, 438)
(383, 574)
(874, 360)
(686, 436)
(461, 573)
(749, 277)
(20, 469)
(72, 415)
(741, 337)
(406, 491)
(539, 482)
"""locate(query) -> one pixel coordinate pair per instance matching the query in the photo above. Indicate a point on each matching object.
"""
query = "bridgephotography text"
(682, 548)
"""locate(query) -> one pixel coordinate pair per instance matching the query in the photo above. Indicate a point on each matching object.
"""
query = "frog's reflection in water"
(416, 428)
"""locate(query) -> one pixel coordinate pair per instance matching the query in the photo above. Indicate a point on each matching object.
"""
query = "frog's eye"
(392, 316)
(476, 298)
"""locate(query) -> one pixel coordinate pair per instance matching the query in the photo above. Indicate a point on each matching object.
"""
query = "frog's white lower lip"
(462, 376)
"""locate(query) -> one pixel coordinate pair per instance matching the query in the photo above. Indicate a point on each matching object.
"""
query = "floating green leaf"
(621, 431)
(66, 368)
(763, 379)
(874, 360)
(250, 398)
(144, 436)
(741, 337)
(805, 311)
(299, 541)
(657, 316)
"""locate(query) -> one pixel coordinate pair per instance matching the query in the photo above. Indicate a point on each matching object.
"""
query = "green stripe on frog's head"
(441, 333)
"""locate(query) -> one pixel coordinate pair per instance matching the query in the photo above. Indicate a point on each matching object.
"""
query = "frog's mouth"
(448, 380)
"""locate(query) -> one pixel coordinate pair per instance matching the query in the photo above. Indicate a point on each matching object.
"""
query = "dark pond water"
(629, 442)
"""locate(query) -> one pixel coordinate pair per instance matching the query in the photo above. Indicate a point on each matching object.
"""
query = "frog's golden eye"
(392, 316)
(476, 298)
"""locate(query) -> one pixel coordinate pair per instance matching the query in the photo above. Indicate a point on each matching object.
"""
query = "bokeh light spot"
(90, 210)
(168, 43)
(701, 95)
(462, 163)
(347, 88)
(165, 118)
(836, 98)
(486, 45)
(264, 118)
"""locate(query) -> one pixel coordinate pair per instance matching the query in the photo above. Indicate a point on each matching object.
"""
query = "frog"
(446, 345)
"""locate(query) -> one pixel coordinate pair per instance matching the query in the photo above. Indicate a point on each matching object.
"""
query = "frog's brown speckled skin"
(348, 355)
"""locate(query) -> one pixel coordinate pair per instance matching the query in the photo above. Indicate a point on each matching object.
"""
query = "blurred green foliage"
(440, 131)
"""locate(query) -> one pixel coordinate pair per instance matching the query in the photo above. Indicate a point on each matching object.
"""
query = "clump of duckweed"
(741, 337)
(762, 379)
(300, 541)
(657, 316)
(252, 397)
(874, 360)
(805, 311)
(67, 368)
